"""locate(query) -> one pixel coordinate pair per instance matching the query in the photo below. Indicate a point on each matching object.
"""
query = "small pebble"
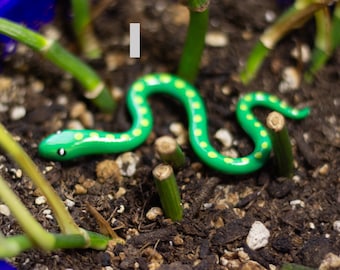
(225, 137)
(336, 226)
(127, 163)
(302, 53)
(121, 209)
(114, 60)
(17, 112)
(62, 100)
(40, 200)
(4, 210)
(178, 240)
(153, 213)
(108, 169)
(69, 203)
(291, 79)
(258, 236)
(79, 189)
(77, 110)
(87, 119)
(270, 16)
(75, 124)
(330, 262)
(120, 192)
(216, 39)
(324, 170)
(5, 83)
(37, 86)
(296, 203)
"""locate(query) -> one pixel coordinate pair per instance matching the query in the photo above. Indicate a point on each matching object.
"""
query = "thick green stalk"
(169, 151)
(168, 191)
(83, 29)
(292, 18)
(282, 147)
(12, 148)
(12, 246)
(95, 88)
(195, 39)
(30, 226)
(323, 43)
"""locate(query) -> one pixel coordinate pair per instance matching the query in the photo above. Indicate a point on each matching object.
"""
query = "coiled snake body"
(70, 144)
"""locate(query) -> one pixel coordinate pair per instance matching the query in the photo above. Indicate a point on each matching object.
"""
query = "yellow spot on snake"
(190, 93)
(78, 136)
(150, 79)
(212, 154)
(196, 105)
(257, 124)
(258, 155)
(248, 97)
(94, 134)
(245, 160)
(138, 100)
(203, 144)
(294, 111)
(228, 160)
(273, 99)
(264, 145)
(144, 122)
(138, 86)
(164, 78)
(259, 96)
(197, 118)
(179, 84)
(250, 116)
(197, 132)
(243, 107)
(137, 132)
(263, 133)
(143, 110)
(125, 136)
(110, 136)
(283, 104)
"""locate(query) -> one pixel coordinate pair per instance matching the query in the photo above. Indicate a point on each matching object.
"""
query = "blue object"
(32, 14)
(6, 266)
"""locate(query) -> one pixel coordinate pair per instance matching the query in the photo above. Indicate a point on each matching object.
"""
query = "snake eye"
(61, 152)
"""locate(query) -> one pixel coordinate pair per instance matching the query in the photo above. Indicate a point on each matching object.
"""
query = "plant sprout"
(326, 40)
(95, 88)
(194, 43)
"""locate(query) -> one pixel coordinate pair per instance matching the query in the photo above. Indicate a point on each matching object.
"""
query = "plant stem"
(323, 43)
(11, 147)
(29, 225)
(169, 151)
(95, 89)
(168, 191)
(282, 148)
(83, 29)
(336, 26)
(12, 246)
(294, 17)
(194, 43)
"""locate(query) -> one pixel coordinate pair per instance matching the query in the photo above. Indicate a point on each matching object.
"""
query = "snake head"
(61, 146)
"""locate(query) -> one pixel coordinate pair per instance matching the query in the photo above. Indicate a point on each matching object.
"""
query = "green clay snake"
(69, 144)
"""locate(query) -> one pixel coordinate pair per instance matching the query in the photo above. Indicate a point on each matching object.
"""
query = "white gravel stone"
(258, 236)
(153, 213)
(225, 137)
(336, 226)
(296, 203)
(216, 39)
(302, 53)
(40, 200)
(4, 210)
(69, 203)
(127, 163)
(17, 112)
(291, 79)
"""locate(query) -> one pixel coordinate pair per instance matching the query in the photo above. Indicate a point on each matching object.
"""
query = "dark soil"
(219, 209)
